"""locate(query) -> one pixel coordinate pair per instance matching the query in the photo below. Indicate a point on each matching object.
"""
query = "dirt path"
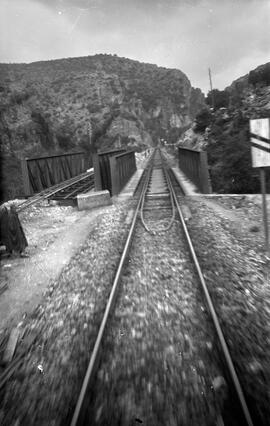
(54, 235)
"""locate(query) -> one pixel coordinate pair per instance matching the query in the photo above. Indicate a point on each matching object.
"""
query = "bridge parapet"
(40, 173)
(102, 169)
(123, 166)
(113, 169)
(193, 164)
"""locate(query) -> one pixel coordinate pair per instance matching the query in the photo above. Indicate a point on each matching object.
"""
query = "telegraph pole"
(90, 138)
(90, 132)
(211, 88)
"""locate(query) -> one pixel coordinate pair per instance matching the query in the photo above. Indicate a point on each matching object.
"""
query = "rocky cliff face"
(47, 106)
(90, 103)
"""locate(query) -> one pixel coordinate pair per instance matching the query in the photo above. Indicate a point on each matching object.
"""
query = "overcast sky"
(229, 36)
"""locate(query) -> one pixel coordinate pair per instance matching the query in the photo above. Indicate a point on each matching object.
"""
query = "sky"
(231, 37)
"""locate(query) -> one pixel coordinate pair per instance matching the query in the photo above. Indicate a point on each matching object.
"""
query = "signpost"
(260, 153)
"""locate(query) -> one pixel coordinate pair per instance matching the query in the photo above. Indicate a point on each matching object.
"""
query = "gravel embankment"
(44, 389)
(237, 273)
(159, 363)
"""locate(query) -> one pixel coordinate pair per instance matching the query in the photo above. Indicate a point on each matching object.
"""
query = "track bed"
(159, 365)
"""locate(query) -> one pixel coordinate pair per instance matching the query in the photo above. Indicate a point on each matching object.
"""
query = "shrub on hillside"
(11, 179)
(229, 158)
(84, 144)
(42, 129)
(19, 97)
(220, 98)
(173, 135)
(260, 76)
(202, 120)
(64, 141)
(64, 135)
(94, 107)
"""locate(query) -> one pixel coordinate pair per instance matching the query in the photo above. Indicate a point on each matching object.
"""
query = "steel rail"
(215, 320)
(110, 303)
(79, 190)
(49, 192)
(56, 186)
(166, 228)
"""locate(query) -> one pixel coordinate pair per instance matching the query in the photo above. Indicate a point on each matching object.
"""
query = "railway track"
(65, 191)
(160, 360)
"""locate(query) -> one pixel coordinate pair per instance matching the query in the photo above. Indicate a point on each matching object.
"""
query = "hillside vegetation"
(46, 108)
(224, 131)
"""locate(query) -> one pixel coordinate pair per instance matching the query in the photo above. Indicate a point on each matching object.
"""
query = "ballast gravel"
(160, 364)
(237, 272)
(43, 391)
(168, 354)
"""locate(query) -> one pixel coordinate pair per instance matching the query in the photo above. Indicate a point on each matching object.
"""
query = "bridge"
(68, 179)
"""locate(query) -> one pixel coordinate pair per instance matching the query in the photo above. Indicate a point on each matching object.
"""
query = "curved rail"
(96, 351)
(215, 320)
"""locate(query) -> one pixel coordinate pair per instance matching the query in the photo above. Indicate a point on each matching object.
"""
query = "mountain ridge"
(48, 107)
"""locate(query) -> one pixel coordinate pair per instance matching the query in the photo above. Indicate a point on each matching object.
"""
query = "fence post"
(83, 168)
(97, 175)
(134, 168)
(193, 164)
(26, 183)
(205, 179)
(114, 176)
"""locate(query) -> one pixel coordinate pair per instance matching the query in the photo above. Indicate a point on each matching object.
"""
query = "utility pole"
(211, 88)
(90, 135)
(89, 131)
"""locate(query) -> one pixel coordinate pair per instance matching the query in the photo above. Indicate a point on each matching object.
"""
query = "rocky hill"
(47, 107)
(224, 131)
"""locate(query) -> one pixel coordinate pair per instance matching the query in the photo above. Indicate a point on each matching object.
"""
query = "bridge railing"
(113, 169)
(123, 166)
(102, 169)
(194, 165)
(40, 173)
